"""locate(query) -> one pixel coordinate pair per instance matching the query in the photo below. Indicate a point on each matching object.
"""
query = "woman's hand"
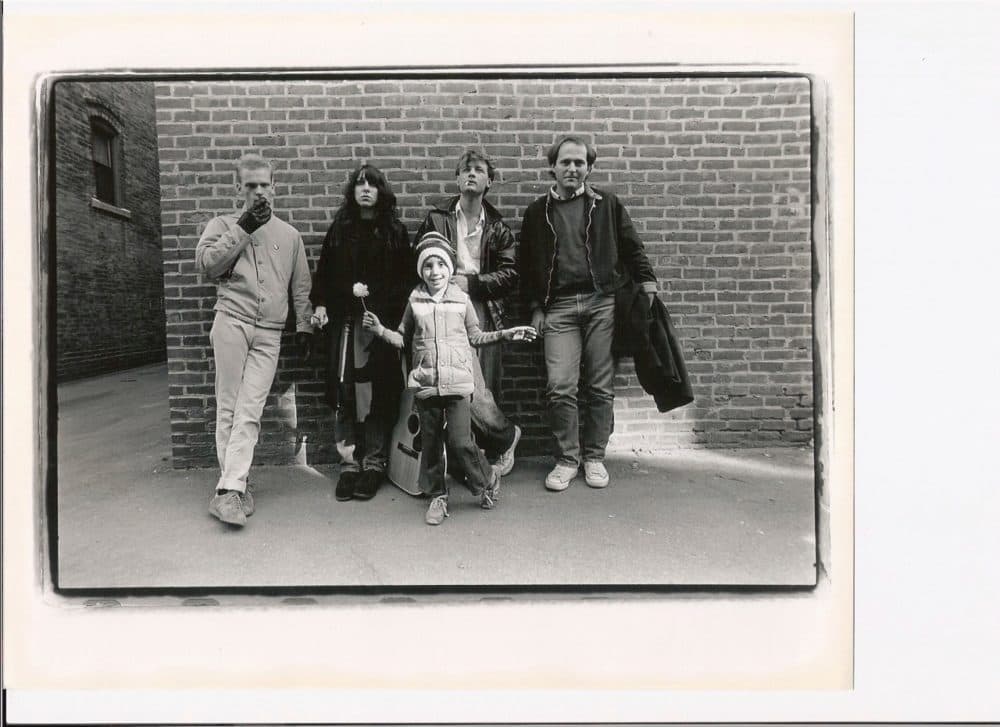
(319, 317)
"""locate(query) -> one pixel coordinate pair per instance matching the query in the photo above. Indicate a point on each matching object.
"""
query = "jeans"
(493, 431)
(434, 412)
(578, 330)
(246, 358)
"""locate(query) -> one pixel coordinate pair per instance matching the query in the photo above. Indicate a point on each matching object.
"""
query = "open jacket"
(497, 276)
(391, 275)
(440, 335)
(644, 331)
(614, 248)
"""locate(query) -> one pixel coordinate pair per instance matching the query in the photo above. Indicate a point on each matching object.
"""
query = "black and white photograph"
(391, 357)
(438, 331)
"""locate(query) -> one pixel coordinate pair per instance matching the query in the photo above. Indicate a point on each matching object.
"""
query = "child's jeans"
(434, 412)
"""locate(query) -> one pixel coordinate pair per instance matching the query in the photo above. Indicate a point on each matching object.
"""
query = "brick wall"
(715, 172)
(109, 271)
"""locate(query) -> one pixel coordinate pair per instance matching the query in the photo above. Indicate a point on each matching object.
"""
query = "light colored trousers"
(246, 358)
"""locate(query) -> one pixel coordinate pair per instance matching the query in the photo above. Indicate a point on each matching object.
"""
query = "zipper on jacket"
(586, 243)
(555, 251)
(437, 348)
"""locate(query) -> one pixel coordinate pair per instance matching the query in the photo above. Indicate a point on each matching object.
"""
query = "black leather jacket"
(497, 276)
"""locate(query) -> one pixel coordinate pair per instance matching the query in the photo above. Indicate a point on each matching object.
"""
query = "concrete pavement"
(127, 519)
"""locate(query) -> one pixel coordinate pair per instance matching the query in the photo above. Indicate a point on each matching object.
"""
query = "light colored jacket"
(441, 335)
(257, 273)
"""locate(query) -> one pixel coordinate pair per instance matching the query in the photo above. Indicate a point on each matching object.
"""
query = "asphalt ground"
(697, 517)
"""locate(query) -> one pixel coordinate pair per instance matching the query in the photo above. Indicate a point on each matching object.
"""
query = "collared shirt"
(469, 245)
(555, 195)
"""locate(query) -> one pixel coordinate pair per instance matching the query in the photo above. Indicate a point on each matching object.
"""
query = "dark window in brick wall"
(105, 156)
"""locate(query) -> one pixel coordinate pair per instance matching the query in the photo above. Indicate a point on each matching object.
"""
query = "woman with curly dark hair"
(365, 264)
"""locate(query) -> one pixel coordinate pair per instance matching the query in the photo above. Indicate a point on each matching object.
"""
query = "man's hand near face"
(255, 217)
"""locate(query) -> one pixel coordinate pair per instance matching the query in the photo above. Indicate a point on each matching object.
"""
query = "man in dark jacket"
(486, 270)
(578, 246)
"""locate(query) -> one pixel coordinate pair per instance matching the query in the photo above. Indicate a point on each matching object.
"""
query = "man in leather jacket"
(487, 271)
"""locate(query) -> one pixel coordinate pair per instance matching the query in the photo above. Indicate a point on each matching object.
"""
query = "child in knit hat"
(440, 327)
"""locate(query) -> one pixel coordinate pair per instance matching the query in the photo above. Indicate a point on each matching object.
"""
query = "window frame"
(103, 128)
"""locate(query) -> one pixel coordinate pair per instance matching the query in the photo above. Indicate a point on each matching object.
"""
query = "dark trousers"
(467, 459)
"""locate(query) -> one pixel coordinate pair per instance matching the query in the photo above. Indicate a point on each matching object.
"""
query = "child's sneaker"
(491, 493)
(437, 511)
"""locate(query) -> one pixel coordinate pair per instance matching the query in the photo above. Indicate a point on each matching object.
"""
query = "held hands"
(255, 217)
(520, 333)
(319, 317)
(370, 322)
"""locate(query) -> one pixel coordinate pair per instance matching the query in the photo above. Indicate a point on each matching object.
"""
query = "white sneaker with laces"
(506, 461)
(595, 474)
(560, 477)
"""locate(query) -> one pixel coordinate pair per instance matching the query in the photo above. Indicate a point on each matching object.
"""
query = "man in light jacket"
(256, 259)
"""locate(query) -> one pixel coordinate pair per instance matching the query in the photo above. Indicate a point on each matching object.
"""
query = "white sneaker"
(506, 461)
(595, 474)
(560, 477)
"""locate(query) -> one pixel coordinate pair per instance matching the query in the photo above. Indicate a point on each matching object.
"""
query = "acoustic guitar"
(404, 452)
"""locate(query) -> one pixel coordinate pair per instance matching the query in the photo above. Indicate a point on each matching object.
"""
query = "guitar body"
(404, 449)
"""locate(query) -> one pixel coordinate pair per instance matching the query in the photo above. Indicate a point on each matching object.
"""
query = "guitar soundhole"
(413, 425)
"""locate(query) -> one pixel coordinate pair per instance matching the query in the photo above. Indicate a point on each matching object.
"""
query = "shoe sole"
(558, 487)
(238, 523)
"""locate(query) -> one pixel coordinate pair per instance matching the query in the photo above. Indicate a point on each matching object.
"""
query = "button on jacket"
(257, 272)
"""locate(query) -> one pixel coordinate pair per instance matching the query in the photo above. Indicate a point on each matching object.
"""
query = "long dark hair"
(386, 213)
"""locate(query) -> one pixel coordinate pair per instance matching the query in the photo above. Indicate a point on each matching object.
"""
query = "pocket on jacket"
(461, 359)
(422, 373)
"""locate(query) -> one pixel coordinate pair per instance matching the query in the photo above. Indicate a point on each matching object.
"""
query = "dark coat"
(646, 333)
(388, 269)
(614, 248)
(497, 276)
